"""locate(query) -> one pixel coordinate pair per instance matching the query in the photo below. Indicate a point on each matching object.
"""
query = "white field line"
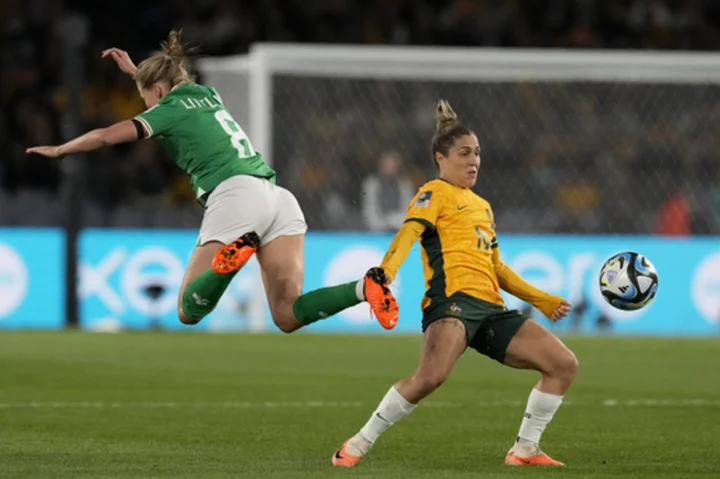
(345, 405)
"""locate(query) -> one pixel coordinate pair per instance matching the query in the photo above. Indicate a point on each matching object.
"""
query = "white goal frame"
(447, 64)
(430, 63)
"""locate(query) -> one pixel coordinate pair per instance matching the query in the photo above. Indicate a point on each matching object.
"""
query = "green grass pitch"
(139, 405)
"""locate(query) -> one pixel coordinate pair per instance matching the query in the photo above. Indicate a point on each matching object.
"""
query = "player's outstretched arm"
(122, 59)
(400, 247)
(552, 306)
(422, 213)
(122, 132)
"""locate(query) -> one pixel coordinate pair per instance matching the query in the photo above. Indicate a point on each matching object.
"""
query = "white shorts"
(244, 203)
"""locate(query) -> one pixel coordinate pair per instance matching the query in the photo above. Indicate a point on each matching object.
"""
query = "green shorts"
(489, 327)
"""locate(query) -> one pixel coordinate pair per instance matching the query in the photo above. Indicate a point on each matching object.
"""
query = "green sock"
(325, 302)
(203, 293)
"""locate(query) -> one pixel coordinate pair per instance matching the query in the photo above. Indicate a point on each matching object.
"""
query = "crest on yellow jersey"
(423, 199)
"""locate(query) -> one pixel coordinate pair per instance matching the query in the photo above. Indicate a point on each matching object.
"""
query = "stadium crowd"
(559, 161)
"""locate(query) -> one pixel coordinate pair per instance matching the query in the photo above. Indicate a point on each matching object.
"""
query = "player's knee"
(284, 317)
(565, 366)
(286, 324)
(285, 320)
(571, 365)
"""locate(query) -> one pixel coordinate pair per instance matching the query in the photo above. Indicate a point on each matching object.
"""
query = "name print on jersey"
(192, 103)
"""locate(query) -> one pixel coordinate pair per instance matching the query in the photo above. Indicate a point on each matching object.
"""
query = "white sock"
(539, 412)
(391, 409)
(360, 289)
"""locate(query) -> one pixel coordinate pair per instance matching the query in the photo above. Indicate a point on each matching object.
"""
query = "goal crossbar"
(461, 64)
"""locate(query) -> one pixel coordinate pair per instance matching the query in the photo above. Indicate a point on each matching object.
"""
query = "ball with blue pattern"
(628, 281)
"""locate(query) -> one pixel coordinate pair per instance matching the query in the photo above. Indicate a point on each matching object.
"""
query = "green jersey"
(203, 138)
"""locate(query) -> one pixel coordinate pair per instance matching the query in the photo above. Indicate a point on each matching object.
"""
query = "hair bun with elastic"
(445, 116)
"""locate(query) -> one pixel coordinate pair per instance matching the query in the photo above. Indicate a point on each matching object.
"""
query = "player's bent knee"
(571, 365)
(287, 326)
(286, 322)
(284, 317)
(565, 366)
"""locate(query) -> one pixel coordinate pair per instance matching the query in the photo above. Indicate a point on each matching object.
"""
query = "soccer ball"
(628, 281)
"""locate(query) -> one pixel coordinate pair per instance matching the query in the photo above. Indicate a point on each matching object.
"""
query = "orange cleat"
(231, 257)
(540, 459)
(382, 303)
(342, 459)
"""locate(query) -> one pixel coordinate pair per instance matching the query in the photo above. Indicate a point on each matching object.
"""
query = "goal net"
(585, 142)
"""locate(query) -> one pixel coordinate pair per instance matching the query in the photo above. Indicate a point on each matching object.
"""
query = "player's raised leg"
(444, 342)
(212, 267)
(282, 265)
(534, 347)
(282, 261)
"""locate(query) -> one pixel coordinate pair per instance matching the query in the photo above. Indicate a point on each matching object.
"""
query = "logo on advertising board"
(151, 265)
(13, 280)
(706, 288)
(130, 280)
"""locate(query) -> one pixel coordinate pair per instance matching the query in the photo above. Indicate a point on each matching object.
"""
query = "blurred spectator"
(179, 192)
(386, 194)
(674, 217)
(577, 202)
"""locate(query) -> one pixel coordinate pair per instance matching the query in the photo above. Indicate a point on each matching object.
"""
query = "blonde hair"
(445, 116)
(168, 65)
(447, 129)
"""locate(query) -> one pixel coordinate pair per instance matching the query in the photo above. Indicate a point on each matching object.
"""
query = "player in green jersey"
(245, 211)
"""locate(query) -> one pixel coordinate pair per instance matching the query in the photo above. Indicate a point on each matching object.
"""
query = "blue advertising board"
(117, 267)
(688, 297)
(32, 278)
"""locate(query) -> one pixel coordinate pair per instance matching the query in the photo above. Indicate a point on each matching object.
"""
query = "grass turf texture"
(211, 406)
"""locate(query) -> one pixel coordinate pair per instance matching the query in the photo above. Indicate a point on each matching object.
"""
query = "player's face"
(462, 163)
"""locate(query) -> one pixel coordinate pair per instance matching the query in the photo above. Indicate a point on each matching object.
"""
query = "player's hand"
(122, 59)
(561, 311)
(49, 151)
(379, 275)
(384, 275)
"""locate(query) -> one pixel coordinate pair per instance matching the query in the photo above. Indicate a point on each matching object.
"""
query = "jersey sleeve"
(425, 207)
(158, 119)
(514, 284)
(400, 247)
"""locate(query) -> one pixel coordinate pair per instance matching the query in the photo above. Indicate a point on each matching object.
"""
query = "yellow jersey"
(457, 244)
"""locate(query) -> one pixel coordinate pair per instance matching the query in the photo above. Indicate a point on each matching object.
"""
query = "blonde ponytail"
(168, 65)
(173, 48)
(445, 116)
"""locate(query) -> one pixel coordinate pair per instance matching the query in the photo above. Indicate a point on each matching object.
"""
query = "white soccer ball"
(628, 281)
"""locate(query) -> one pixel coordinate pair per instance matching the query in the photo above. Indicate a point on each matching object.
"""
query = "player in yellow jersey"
(462, 306)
